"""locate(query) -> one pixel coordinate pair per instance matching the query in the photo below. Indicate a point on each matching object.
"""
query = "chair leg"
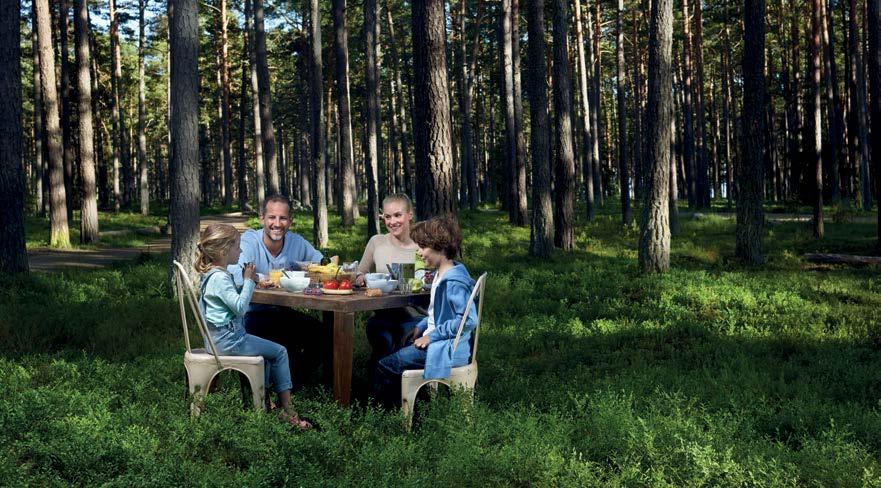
(258, 388)
(408, 400)
(200, 381)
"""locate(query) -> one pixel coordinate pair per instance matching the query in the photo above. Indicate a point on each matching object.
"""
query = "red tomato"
(331, 285)
(345, 285)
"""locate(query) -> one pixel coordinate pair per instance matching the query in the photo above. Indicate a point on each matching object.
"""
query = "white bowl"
(294, 284)
(377, 276)
(385, 285)
(294, 274)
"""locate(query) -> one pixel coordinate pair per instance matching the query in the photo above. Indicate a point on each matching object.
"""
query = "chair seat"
(203, 356)
(454, 372)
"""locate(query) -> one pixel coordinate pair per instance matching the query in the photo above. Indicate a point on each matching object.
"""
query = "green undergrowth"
(711, 375)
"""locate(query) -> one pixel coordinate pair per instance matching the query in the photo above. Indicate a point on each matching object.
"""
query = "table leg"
(343, 345)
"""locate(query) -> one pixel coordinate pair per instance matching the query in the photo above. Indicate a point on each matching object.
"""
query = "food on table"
(344, 285)
(313, 289)
(333, 285)
(415, 284)
(266, 284)
(374, 292)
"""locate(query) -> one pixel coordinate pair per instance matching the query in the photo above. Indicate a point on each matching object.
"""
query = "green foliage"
(590, 374)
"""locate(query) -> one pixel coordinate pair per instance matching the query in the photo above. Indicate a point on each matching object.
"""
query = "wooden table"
(339, 312)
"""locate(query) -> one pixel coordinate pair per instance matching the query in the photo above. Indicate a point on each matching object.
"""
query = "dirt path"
(52, 260)
(779, 217)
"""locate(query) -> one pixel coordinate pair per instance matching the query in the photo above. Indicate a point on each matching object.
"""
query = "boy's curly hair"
(439, 233)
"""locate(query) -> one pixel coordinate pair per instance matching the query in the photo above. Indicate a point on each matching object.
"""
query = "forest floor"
(714, 374)
(148, 241)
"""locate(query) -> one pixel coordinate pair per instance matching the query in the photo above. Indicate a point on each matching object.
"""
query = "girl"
(384, 329)
(431, 339)
(223, 306)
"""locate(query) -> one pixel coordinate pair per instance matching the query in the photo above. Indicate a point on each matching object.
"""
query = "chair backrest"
(478, 291)
(186, 292)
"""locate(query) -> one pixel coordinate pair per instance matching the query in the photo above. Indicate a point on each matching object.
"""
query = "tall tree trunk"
(402, 104)
(727, 76)
(541, 241)
(282, 163)
(750, 177)
(833, 104)
(507, 65)
(347, 161)
(226, 152)
(60, 235)
(688, 139)
(858, 107)
(795, 144)
(119, 154)
(184, 211)
(595, 107)
(654, 239)
(519, 202)
(873, 21)
(703, 183)
(585, 114)
(65, 94)
(564, 158)
(465, 96)
(432, 125)
(89, 196)
(319, 204)
(265, 93)
(624, 175)
(243, 115)
(816, 114)
(142, 136)
(674, 180)
(371, 161)
(39, 133)
(259, 171)
(13, 255)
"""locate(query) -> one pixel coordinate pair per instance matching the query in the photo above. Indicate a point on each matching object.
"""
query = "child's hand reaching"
(249, 272)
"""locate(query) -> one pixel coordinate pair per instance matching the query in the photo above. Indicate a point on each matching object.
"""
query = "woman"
(385, 329)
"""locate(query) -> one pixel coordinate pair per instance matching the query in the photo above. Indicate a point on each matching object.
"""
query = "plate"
(336, 292)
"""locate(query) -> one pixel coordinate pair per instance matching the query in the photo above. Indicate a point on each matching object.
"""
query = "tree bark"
(816, 109)
(688, 139)
(833, 105)
(184, 211)
(59, 235)
(703, 182)
(520, 169)
(243, 115)
(372, 161)
(432, 124)
(39, 133)
(541, 241)
(89, 196)
(623, 157)
(13, 255)
(264, 90)
(319, 207)
(226, 152)
(65, 94)
(873, 21)
(402, 105)
(507, 85)
(654, 240)
(119, 154)
(142, 136)
(750, 177)
(858, 107)
(347, 161)
(596, 97)
(564, 158)
(585, 114)
(259, 171)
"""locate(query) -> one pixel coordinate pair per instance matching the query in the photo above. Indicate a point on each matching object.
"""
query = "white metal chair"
(462, 376)
(203, 365)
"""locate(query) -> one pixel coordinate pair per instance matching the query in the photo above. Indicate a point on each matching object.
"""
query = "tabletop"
(358, 301)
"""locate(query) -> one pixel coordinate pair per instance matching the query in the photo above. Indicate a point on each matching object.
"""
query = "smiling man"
(276, 247)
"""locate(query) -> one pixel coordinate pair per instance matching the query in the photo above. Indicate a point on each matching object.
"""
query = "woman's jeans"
(232, 340)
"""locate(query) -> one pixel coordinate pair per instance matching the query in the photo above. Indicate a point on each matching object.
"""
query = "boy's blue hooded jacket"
(450, 300)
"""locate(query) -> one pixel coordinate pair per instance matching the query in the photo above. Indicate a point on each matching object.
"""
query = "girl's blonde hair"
(215, 241)
(398, 197)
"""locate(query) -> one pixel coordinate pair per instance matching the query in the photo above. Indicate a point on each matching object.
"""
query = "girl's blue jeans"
(232, 340)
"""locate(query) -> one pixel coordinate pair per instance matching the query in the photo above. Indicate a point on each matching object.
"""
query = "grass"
(590, 374)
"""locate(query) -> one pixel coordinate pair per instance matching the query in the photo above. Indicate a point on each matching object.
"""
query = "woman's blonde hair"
(398, 197)
(215, 241)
